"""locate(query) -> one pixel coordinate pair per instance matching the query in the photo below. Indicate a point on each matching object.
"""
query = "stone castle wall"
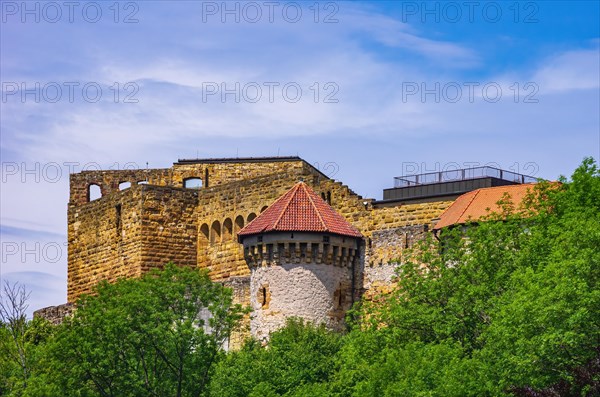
(169, 228)
(211, 173)
(216, 172)
(108, 182)
(55, 314)
(306, 290)
(105, 241)
(154, 221)
(300, 274)
(129, 232)
(125, 233)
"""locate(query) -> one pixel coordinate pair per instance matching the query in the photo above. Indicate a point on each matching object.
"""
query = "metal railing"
(461, 175)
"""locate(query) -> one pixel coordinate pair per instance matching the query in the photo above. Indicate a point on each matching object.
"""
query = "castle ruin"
(192, 213)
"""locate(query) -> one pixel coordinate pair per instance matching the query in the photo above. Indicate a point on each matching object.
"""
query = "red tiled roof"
(300, 210)
(474, 205)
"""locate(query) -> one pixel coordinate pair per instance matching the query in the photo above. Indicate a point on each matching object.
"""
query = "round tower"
(302, 256)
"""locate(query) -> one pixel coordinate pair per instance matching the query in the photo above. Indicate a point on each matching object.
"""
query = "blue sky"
(364, 90)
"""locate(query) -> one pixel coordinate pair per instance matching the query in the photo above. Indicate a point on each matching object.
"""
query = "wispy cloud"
(570, 70)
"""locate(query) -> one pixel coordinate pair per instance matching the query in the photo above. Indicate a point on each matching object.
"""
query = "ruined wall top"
(194, 173)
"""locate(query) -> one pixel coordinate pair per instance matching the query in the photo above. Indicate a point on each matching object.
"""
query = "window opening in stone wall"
(124, 185)
(269, 252)
(329, 198)
(192, 183)
(118, 219)
(206, 177)
(263, 297)
(323, 196)
(263, 209)
(325, 239)
(94, 192)
(251, 217)
(406, 240)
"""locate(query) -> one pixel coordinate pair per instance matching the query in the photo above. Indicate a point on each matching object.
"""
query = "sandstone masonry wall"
(129, 232)
(211, 173)
(241, 295)
(214, 173)
(169, 231)
(104, 240)
(109, 181)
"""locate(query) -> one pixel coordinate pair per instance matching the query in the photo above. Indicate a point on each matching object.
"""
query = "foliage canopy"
(505, 306)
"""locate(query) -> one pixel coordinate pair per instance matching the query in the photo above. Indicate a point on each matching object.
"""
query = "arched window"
(204, 232)
(227, 229)
(251, 217)
(192, 183)
(124, 185)
(263, 209)
(203, 238)
(215, 232)
(239, 223)
(329, 198)
(94, 192)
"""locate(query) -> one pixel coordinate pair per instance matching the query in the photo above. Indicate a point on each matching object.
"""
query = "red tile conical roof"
(300, 210)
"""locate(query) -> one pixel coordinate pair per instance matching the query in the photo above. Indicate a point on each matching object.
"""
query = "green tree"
(298, 361)
(507, 306)
(154, 336)
(22, 342)
(510, 303)
(547, 324)
(15, 360)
